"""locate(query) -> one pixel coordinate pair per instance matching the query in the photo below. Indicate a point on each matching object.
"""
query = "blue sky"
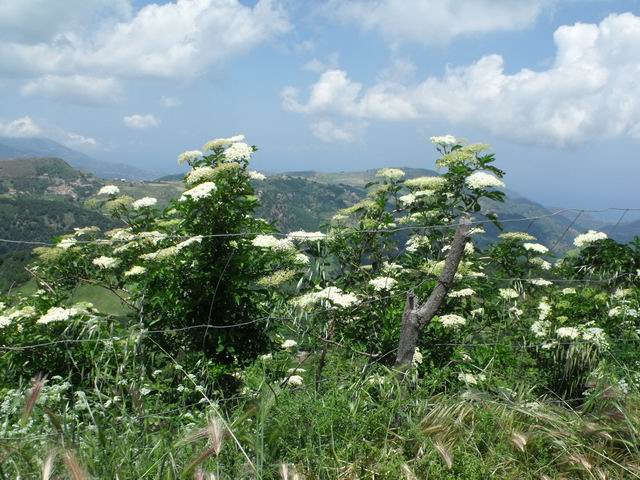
(552, 85)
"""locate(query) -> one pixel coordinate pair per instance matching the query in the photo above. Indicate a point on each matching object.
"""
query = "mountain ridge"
(12, 148)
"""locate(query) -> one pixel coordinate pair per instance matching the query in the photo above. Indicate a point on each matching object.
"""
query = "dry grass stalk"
(288, 472)
(215, 432)
(73, 466)
(37, 385)
(519, 440)
(443, 447)
(408, 474)
(47, 468)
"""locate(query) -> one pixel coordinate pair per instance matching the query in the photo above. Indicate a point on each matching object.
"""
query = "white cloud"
(590, 92)
(75, 140)
(170, 102)
(103, 41)
(172, 40)
(77, 89)
(33, 21)
(318, 66)
(335, 93)
(141, 122)
(21, 127)
(327, 131)
(436, 21)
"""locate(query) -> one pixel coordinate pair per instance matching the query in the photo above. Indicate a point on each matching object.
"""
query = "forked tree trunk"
(416, 317)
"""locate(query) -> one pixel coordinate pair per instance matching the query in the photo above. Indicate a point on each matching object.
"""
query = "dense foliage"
(247, 353)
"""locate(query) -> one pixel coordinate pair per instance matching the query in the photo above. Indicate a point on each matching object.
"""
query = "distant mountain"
(14, 148)
(354, 178)
(623, 231)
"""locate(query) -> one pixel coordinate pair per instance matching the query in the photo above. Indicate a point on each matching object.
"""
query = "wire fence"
(348, 231)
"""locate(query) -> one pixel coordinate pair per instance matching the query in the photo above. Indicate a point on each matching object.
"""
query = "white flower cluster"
(408, 199)
(568, 332)
(426, 183)
(508, 293)
(105, 262)
(273, 243)
(67, 243)
(14, 313)
(588, 238)
(289, 345)
(515, 311)
(302, 259)
(535, 247)
(545, 310)
(253, 175)
(390, 173)
(416, 242)
(78, 232)
(144, 202)
(189, 156)
(171, 251)
(623, 310)
(301, 236)
(295, 380)
(568, 291)
(444, 140)
(417, 357)
(335, 296)
(120, 234)
(135, 271)
(540, 262)
(465, 292)
(221, 142)
(540, 328)
(200, 174)
(380, 284)
(57, 314)
(518, 236)
(595, 335)
(452, 321)
(198, 192)
(238, 151)
(540, 282)
(109, 190)
(189, 241)
(471, 379)
(482, 180)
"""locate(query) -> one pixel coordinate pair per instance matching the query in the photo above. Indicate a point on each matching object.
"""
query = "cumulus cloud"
(75, 140)
(82, 90)
(33, 21)
(436, 21)
(106, 40)
(590, 91)
(141, 122)
(328, 131)
(175, 39)
(21, 127)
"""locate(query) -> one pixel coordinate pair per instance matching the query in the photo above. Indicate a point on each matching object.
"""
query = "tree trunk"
(416, 317)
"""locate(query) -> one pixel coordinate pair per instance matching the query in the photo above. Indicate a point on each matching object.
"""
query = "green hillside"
(295, 203)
